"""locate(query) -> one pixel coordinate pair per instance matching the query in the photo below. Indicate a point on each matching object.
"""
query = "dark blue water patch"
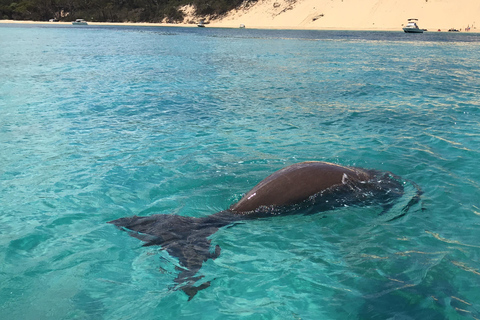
(340, 35)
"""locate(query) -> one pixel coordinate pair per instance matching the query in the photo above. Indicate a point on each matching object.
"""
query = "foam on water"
(99, 123)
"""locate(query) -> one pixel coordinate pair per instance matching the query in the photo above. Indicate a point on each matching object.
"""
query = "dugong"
(312, 186)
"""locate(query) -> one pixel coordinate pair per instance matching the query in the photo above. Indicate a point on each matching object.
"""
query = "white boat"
(80, 22)
(412, 27)
(201, 24)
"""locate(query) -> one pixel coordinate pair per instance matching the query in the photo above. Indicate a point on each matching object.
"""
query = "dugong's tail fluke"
(185, 238)
(191, 290)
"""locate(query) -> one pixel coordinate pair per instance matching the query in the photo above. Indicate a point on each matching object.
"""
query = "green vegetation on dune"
(112, 10)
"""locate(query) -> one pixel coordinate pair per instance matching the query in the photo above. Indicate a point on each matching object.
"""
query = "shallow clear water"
(98, 123)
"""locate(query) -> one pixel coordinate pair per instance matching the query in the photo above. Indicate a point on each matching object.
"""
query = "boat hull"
(412, 30)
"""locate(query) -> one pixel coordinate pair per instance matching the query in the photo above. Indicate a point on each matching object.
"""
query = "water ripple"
(101, 123)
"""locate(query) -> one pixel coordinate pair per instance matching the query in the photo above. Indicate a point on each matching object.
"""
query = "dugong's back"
(296, 183)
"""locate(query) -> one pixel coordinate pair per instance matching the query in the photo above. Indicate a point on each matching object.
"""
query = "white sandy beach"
(356, 14)
(343, 15)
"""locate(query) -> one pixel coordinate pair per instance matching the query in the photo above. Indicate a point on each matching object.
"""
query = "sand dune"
(355, 14)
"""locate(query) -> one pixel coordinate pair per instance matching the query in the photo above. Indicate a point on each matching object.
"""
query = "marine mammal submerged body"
(318, 185)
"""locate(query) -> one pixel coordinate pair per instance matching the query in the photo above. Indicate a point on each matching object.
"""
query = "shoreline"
(217, 25)
(351, 15)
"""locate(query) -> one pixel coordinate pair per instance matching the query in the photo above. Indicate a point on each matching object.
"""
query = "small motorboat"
(412, 27)
(80, 22)
(201, 24)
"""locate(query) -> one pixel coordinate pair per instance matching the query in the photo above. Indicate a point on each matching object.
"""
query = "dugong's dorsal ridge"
(321, 185)
(296, 183)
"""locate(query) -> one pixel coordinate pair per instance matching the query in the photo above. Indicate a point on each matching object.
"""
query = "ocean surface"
(99, 123)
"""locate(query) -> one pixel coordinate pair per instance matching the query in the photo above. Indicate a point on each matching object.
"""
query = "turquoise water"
(98, 123)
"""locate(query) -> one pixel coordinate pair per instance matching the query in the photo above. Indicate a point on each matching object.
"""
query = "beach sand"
(379, 15)
(356, 14)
